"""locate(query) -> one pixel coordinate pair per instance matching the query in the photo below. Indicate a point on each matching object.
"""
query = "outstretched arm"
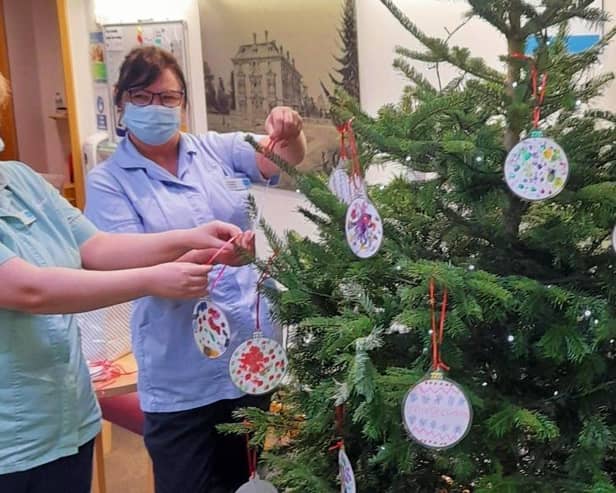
(108, 251)
(28, 288)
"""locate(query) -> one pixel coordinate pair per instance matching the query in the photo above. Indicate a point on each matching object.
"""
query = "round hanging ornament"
(614, 238)
(363, 227)
(536, 168)
(257, 485)
(339, 183)
(258, 365)
(211, 329)
(347, 476)
(436, 412)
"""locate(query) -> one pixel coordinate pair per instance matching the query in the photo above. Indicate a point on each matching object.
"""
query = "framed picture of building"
(258, 55)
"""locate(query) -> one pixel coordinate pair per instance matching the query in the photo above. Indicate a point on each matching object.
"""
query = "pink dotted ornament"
(258, 365)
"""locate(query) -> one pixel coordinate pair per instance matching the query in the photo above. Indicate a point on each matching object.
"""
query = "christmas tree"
(348, 72)
(530, 329)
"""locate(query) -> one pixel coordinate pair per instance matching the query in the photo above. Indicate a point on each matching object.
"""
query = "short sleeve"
(107, 206)
(81, 227)
(6, 253)
(245, 160)
(239, 156)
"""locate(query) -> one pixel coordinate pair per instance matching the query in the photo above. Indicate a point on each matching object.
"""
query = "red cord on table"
(111, 372)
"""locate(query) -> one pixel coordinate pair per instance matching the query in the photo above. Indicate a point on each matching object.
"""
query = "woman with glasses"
(158, 179)
(53, 262)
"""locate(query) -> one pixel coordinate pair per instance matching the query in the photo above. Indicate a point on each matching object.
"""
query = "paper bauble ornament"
(339, 184)
(258, 365)
(536, 168)
(256, 485)
(363, 227)
(344, 186)
(211, 329)
(347, 476)
(436, 412)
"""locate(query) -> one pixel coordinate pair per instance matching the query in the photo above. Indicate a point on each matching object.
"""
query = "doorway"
(31, 56)
(7, 123)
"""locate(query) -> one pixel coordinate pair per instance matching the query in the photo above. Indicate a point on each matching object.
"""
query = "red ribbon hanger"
(251, 455)
(437, 337)
(213, 257)
(538, 90)
(339, 420)
(342, 130)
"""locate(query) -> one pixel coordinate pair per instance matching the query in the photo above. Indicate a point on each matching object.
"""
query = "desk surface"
(123, 384)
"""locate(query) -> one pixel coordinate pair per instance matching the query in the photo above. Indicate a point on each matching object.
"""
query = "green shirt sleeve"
(81, 226)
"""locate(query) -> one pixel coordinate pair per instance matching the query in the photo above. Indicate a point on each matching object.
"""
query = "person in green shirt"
(54, 262)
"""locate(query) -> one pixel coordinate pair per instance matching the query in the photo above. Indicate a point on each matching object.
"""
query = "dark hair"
(142, 66)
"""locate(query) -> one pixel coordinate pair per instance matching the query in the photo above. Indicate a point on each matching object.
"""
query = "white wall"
(379, 33)
(280, 210)
(609, 60)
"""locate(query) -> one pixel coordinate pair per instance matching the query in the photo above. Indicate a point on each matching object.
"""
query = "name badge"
(237, 184)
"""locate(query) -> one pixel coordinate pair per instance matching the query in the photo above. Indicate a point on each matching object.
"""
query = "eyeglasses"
(143, 97)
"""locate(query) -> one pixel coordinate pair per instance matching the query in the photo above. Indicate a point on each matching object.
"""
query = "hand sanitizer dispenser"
(91, 147)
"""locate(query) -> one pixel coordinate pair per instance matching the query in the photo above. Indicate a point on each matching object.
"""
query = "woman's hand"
(283, 123)
(177, 280)
(215, 245)
(284, 128)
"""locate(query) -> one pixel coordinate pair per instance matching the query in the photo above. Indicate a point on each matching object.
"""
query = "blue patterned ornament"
(536, 168)
(347, 476)
(436, 412)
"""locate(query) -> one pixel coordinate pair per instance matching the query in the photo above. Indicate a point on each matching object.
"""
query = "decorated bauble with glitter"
(257, 485)
(536, 168)
(363, 227)
(258, 365)
(210, 328)
(347, 476)
(436, 412)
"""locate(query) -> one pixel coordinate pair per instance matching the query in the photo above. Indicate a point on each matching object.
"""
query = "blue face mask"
(152, 124)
